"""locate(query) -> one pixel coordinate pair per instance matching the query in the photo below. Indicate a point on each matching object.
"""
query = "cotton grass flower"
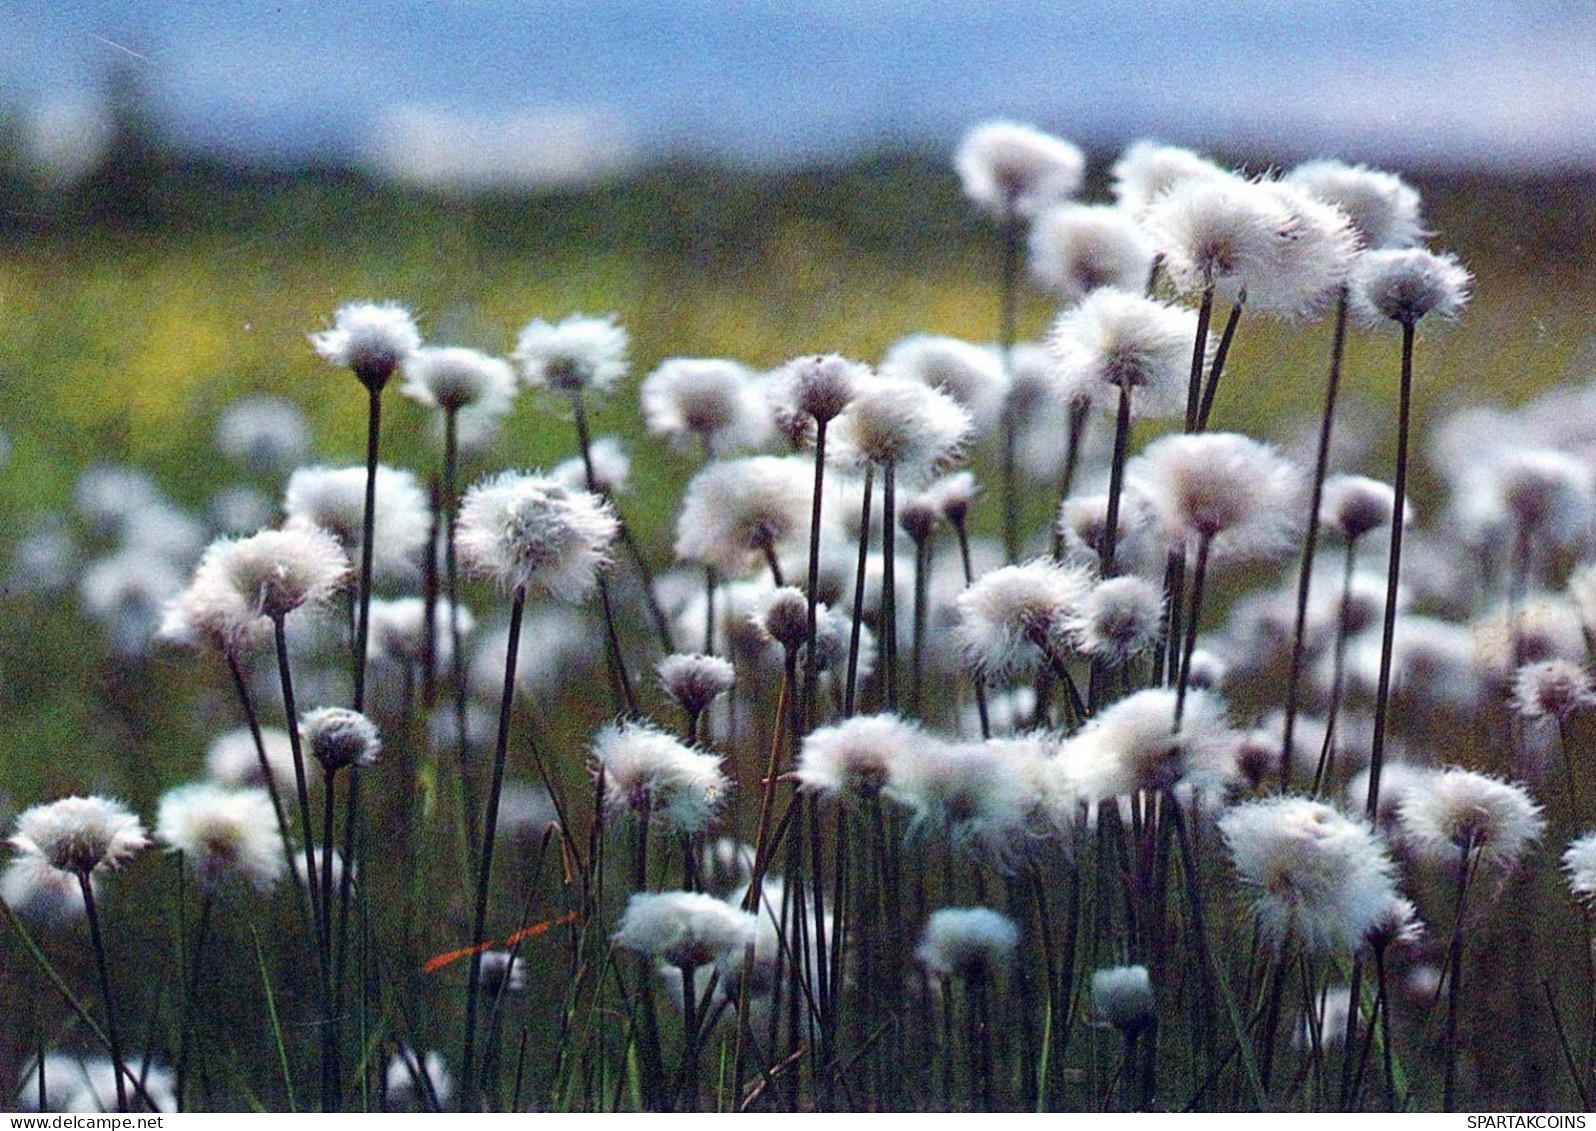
(265, 435)
(575, 354)
(968, 942)
(80, 835)
(373, 339)
(223, 834)
(1318, 877)
(1148, 169)
(1006, 167)
(1354, 505)
(340, 739)
(695, 681)
(1556, 689)
(684, 929)
(647, 771)
(240, 580)
(37, 891)
(1015, 618)
(1383, 208)
(1078, 248)
(232, 761)
(902, 424)
(1224, 487)
(852, 760)
(1579, 866)
(813, 389)
(334, 499)
(972, 375)
(612, 467)
(1547, 496)
(1134, 745)
(1405, 285)
(1122, 997)
(1459, 809)
(399, 628)
(1224, 233)
(1120, 618)
(528, 532)
(453, 378)
(1116, 341)
(708, 400)
(736, 515)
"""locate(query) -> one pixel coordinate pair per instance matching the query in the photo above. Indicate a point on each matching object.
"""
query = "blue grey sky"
(544, 88)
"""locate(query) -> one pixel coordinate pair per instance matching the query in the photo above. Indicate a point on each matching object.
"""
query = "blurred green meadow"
(137, 305)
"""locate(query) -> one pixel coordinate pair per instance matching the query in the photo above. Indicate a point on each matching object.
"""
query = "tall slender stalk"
(1008, 296)
(889, 582)
(1108, 546)
(1217, 369)
(1199, 581)
(1310, 539)
(1467, 861)
(1382, 696)
(811, 589)
(468, 1067)
(858, 593)
(621, 683)
(368, 524)
(103, 968)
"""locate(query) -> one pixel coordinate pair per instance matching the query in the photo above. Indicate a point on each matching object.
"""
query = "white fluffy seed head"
(853, 759)
(232, 761)
(80, 835)
(972, 375)
(1460, 808)
(976, 943)
(816, 387)
(1546, 495)
(1317, 876)
(1224, 232)
(1115, 339)
(527, 531)
(953, 496)
(903, 423)
(611, 468)
(454, 378)
(263, 434)
(1555, 689)
(1006, 166)
(373, 339)
(1354, 505)
(399, 629)
(339, 738)
(223, 834)
(38, 892)
(1076, 249)
(1123, 997)
(648, 772)
(708, 401)
(695, 681)
(1383, 208)
(1147, 170)
(1406, 284)
(1222, 486)
(1579, 866)
(1313, 255)
(684, 928)
(1133, 745)
(334, 499)
(1120, 618)
(1009, 615)
(241, 580)
(733, 512)
(575, 354)
(785, 617)
(1540, 628)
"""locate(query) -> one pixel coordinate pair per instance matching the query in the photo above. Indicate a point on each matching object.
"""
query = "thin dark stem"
(196, 965)
(688, 1100)
(485, 870)
(1217, 369)
(1108, 547)
(620, 682)
(1382, 697)
(710, 581)
(922, 583)
(431, 585)
(1310, 540)
(773, 563)
(1199, 357)
(982, 710)
(889, 582)
(858, 593)
(305, 828)
(812, 655)
(269, 779)
(1454, 977)
(367, 526)
(1079, 416)
(104, 970)
(1338, 666)
(1007, 322)
(451, 571)
(1199, 581)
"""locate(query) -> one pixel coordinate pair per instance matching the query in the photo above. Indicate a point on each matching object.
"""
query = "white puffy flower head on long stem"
(902, 423)
(340, 739)
(1079, 248)
(709, 400)
(968, 942)
(1008, 166)
(1012, 615)
(1113, 340)
(572, 355)
(1317, 876)
(972, 375)
(1383, 208)
(734, 513)
(80, 835)
(649, 772)
(853, 759)
(1579, 866)
(1147, 170)
(224, 834)
(1133, 745)
(239, 581)
(1459, 809)
(526, 531)
(334, 499)
(373, 339)
(454, 378)
(1405, 285)
(1221, 486)
(684, 928)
